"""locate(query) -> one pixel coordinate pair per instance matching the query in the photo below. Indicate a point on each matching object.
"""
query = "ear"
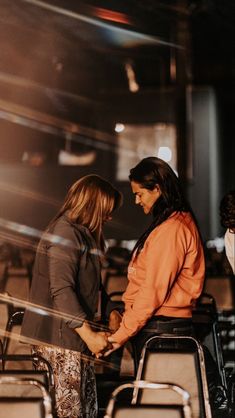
(157, 189)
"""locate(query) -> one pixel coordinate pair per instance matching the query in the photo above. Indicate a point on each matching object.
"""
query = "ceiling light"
(165, 153)
(119, 127)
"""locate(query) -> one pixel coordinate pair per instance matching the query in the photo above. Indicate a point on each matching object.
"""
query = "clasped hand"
(101, 343)
(114, 323)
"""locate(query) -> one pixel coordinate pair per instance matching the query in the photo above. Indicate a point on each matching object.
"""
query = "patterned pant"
(75, 386)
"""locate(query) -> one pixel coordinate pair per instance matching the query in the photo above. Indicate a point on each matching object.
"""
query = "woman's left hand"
(115, 346)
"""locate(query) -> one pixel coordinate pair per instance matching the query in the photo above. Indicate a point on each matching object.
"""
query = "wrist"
(85, 332)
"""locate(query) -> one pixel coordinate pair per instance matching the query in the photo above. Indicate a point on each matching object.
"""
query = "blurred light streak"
(32, 341)
(42, 310)
(133, 85)
(36, 233)
(177, 9)
(6, 187)
(32, 243)
(124, 36)
(33, 232)
(56, 126)
(111, 15)
(18, 240)
(48, 91)
(65, 129)
(86, 136)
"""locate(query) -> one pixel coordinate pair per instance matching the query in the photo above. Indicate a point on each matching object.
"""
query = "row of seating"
(25, 393)
(32, 392)
(171, 352)
(208, 341)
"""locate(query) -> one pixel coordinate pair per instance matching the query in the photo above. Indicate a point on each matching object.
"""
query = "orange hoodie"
(166, 277)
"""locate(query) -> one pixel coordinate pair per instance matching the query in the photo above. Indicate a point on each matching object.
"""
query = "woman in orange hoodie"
(166, 272)
(167, 269)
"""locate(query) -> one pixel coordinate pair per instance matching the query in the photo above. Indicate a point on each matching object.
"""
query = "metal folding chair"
(120, 409)
(17, 399)
(46, 377)
(205, 321)
(180, 361)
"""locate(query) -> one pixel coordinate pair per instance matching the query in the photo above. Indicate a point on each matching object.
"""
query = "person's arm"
(63, 269)
(64, 258)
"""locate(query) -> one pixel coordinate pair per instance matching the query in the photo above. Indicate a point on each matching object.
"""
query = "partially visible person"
(66, 279)
(227, 217)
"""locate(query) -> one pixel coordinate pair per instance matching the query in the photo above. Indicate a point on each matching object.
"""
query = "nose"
(137, 200)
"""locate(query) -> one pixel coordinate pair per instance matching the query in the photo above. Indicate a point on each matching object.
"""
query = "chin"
(146, 211)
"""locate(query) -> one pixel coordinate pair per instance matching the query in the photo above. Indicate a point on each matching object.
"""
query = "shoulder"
(64, 232)
(180, 224)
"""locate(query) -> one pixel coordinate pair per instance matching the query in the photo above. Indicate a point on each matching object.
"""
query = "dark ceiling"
(58, 56)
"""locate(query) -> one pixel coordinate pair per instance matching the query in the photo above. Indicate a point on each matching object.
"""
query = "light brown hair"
(89, 202)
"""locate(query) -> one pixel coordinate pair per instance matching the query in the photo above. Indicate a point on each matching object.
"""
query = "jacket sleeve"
(163, 258)
(64, 258)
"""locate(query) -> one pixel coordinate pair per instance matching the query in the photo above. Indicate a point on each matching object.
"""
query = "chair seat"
(14, 407)
(148, 411)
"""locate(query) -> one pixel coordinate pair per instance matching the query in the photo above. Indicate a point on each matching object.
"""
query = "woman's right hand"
(115, 318)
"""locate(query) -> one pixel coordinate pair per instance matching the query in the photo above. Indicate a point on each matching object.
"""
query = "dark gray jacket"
(66, 278)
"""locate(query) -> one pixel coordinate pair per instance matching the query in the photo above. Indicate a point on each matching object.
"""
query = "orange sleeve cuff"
(120, 336)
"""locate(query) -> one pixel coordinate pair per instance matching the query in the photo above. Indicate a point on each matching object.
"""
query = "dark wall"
(204, 187)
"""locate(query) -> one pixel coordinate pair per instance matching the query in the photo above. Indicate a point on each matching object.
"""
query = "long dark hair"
(153, 171)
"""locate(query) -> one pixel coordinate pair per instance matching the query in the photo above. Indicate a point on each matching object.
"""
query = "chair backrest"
(178, 360)
(115, 283)
(207, 304)
(45, 377)
(117, 408)
(222, 288)
(39, 375)
(11, 341)
(207, 332)
(17, 395)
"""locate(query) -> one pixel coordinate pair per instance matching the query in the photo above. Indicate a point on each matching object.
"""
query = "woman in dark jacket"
(64, 294)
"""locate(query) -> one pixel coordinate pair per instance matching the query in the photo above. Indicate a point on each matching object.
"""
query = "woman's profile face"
(145, 197)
